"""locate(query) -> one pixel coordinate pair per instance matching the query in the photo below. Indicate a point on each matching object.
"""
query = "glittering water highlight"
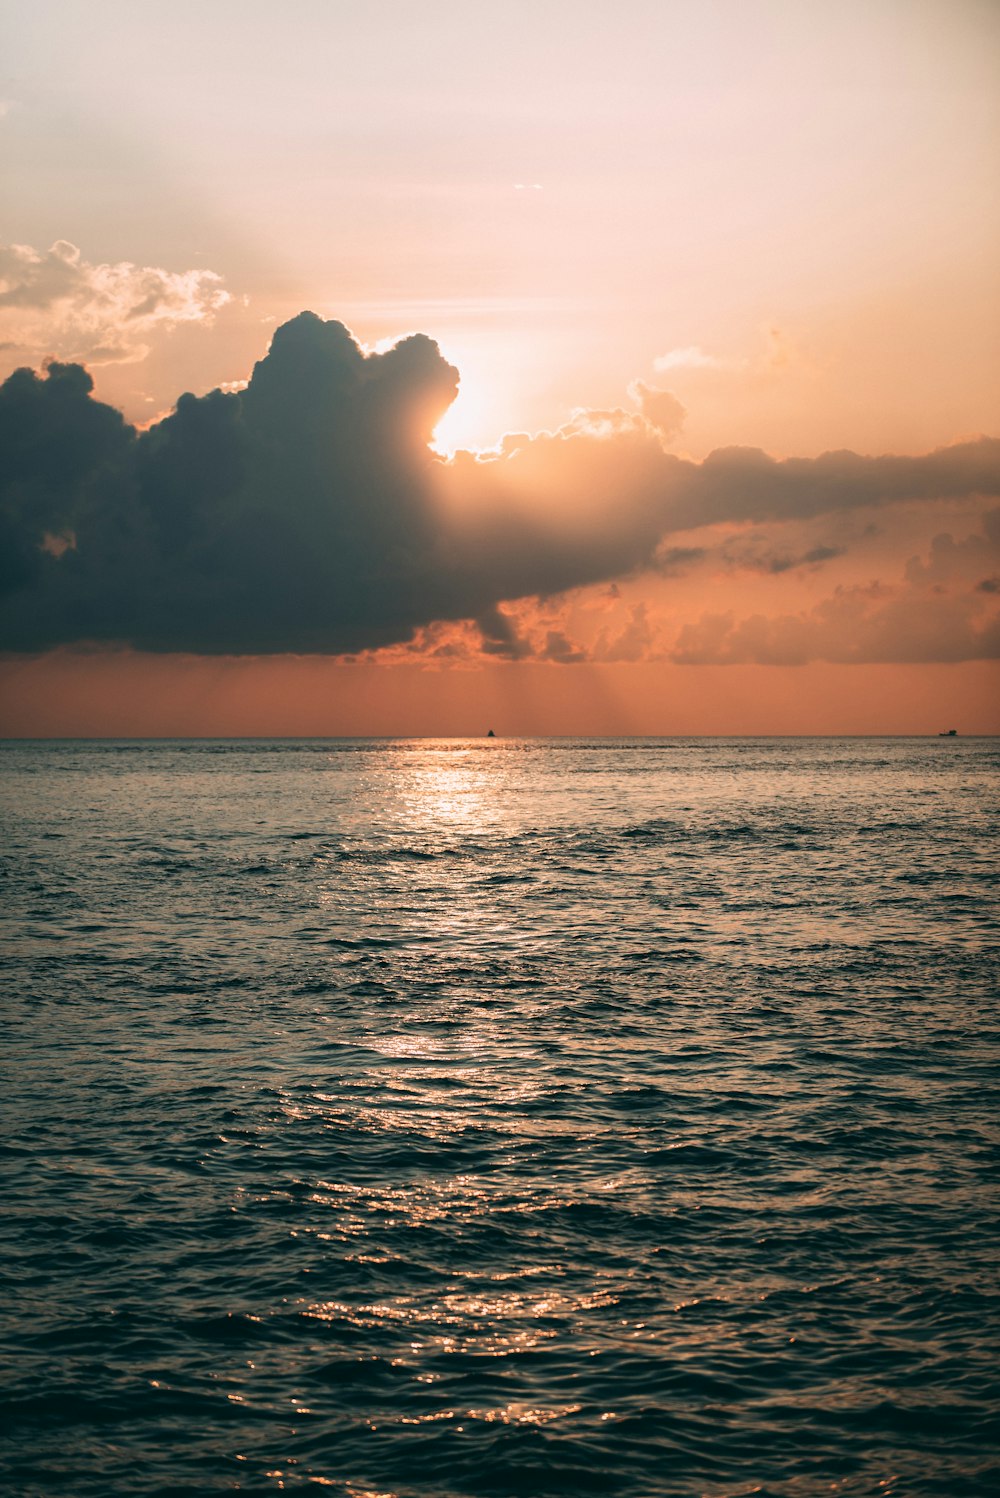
(440, 1119)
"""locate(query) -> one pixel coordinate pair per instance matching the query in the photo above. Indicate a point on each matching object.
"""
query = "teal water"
(441, 1119)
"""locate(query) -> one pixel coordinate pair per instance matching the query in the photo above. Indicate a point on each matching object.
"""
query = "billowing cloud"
(55, 303)
(661, 408)
(307, 512)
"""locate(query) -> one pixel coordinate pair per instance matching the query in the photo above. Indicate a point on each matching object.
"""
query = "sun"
(469, 422)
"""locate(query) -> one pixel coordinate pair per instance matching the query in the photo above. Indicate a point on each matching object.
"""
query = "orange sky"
(784, 216)
(106, 695)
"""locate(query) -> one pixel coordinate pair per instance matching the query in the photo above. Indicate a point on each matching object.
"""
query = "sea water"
(445, 1118)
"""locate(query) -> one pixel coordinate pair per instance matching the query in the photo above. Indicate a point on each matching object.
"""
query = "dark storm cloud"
(307, 513)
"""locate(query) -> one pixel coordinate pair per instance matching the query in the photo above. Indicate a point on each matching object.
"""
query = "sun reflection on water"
(466, 785)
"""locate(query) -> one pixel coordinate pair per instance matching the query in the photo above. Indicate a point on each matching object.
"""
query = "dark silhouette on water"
(491, 734)
(950, 733)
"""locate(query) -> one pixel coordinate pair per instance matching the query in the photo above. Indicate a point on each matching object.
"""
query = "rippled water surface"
(505, 1117)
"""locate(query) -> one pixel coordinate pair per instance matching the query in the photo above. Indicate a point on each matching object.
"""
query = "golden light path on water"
(441, 797)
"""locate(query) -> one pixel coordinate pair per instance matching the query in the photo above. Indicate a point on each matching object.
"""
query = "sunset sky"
(717, 285)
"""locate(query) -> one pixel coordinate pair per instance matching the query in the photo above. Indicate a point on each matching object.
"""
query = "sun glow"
(468, 423)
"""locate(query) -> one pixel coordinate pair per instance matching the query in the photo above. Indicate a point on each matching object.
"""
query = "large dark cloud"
(298, 515)
(62, 459)
(308, 514)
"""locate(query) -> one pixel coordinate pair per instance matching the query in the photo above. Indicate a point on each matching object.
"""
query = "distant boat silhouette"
(949, 733)
(492, 735)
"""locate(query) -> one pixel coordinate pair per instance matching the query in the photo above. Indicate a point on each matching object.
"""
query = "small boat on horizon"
(948, 733)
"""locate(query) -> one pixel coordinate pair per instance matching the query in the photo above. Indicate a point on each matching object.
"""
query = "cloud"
(736, 483)
(756, 558)
(691, 357)
(64, 460)
(853, 626)
(499, 636)
(55, 303)
(672, 561)
(966, 559)
(307, 512)
(661, 408)
(939, 609)
(635, 642)
(777, 353)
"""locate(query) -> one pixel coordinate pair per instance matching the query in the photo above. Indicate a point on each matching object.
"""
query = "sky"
(635, 369)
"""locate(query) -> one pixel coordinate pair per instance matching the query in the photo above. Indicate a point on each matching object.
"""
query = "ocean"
(469, 1119)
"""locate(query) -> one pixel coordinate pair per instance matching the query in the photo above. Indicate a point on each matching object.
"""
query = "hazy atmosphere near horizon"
(499, 621)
